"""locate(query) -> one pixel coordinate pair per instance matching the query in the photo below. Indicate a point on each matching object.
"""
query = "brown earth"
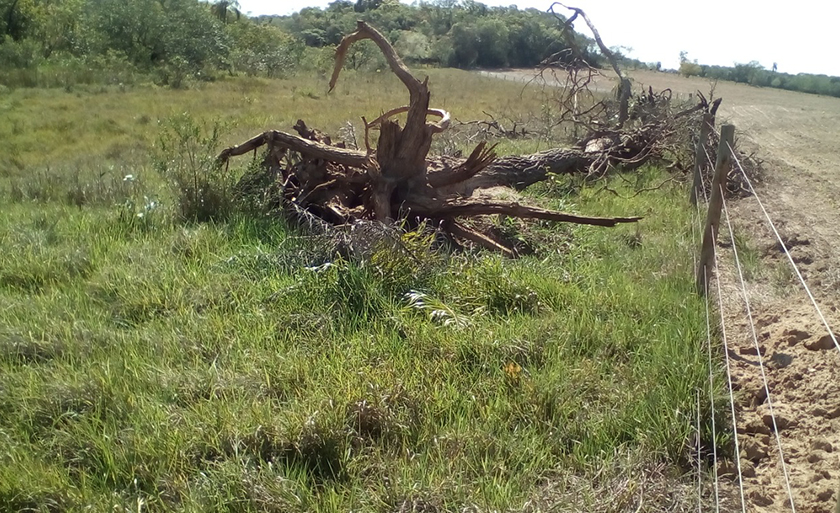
(798, 137)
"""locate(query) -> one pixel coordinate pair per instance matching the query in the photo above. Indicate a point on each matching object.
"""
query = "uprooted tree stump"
(398, 180)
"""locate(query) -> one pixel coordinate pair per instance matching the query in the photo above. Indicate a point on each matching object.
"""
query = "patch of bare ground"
(796, 135)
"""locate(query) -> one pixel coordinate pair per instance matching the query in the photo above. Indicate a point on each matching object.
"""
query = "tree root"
(397, 180)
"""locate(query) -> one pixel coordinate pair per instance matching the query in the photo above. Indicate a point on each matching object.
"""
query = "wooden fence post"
(707, 251)
(700, 155)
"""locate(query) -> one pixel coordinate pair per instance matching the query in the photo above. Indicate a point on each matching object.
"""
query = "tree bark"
(401, 153)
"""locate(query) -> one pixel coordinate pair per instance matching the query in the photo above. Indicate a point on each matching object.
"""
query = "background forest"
(60, 43)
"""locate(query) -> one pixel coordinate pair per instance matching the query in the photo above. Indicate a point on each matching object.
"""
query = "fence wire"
(726, 354)
(761, 366)
(785, 249)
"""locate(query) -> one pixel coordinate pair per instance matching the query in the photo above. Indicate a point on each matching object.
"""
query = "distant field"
(147, 363)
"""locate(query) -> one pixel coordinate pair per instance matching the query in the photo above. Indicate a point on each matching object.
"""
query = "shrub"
(264, 50)
(186, 159)
(25, 53)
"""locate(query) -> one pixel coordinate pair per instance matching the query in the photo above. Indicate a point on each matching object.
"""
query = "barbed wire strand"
(711, 369)
(728, 368)
(785, 248)
(758, 353)
(699, 456)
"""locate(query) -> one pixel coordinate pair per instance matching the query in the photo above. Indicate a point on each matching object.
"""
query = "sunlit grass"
(113, 126)
(152, 363)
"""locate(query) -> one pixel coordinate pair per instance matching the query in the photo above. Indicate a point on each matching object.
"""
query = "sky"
(801, 37)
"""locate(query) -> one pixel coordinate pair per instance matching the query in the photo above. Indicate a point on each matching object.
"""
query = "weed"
(748, 256)
(784, 277)
(186, 158)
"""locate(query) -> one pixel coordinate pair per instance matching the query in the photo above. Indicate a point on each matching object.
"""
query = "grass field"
(147, 363)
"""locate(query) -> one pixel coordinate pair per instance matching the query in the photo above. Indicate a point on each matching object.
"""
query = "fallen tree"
(398, 180)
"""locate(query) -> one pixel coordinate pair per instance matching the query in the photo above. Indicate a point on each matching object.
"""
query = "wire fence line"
(785, 249)
(784, 465)
(728, 374)
(752, 327)
(716, 479)
(761, 366)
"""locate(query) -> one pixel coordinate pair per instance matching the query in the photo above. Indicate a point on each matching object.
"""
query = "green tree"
(264, 50)
(61, 27)
(493, 43)
(413, 46)
(17, 18)
(464, 45)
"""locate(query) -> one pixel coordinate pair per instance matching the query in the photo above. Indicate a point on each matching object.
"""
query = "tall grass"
(149, 361)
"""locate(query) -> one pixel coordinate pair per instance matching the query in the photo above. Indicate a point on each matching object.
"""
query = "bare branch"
(467, 207)
(365, 31)
(459, 230)
(303, 146)
(624, 82)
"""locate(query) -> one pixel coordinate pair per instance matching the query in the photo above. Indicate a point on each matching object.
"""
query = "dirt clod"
(821, 343)
(758, 397)
(780, 361)
(756, 426)
(782, 422)
(751, 350)
(727, 469)
(752, 450)
(795, 336)
(825, 495)
(759, 499)
(822, 445)
(747, 468)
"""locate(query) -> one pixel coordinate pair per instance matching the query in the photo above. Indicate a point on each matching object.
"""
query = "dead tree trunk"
(401, 153)
(624, 90)
(398, 180)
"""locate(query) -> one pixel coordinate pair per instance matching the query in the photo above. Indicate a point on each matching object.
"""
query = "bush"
(26, 53)
(203, 188)
(264, 50)
(690, 69)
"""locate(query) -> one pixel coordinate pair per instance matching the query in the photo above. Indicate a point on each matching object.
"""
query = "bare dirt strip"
(798, 137)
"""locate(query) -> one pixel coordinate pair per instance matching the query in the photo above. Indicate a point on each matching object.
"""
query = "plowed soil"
(798, 137)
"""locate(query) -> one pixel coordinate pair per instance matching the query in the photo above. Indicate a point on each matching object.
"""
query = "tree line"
(64, 42)
(116, 40)
(175, 40)
(462, 34)
(753, 73)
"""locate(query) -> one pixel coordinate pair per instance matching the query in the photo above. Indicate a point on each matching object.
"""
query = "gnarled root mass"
(397, 180)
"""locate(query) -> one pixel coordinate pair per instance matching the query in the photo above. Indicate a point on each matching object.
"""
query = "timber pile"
(398, 180)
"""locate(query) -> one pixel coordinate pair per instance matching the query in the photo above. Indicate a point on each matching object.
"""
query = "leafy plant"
(186, 158)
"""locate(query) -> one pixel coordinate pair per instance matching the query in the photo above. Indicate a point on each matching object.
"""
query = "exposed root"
(397, 180)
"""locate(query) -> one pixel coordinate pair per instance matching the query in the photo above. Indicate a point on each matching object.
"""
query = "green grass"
(151, 363)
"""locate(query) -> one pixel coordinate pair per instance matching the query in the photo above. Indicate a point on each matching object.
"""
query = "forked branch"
(365, 31)
(624, 82)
